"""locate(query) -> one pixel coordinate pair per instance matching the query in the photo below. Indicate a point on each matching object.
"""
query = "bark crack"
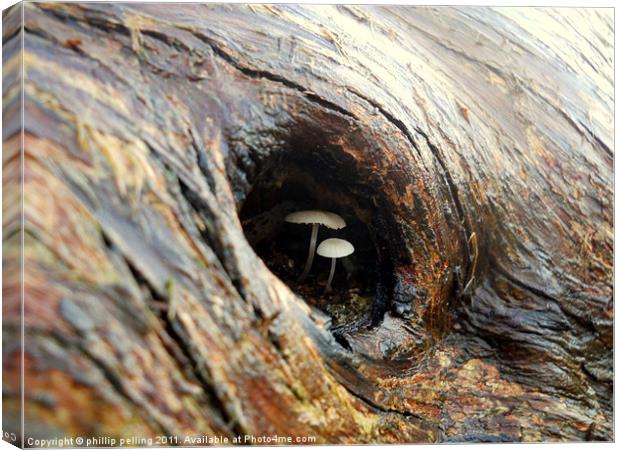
(452, 188)
(179, 350)
(262, 74)
(577, 319)
(108, 373)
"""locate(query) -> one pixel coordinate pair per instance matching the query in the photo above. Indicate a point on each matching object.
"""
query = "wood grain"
(475, 145)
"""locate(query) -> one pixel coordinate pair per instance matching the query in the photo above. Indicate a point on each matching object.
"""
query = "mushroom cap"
(335, 248)
(325, 218)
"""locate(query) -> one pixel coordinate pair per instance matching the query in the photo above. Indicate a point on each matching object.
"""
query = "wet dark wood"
(474, 145)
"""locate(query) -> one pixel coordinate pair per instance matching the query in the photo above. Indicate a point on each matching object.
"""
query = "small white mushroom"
(315, 217)
(334, 248)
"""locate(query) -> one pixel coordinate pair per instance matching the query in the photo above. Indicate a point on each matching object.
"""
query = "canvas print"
(236, 224)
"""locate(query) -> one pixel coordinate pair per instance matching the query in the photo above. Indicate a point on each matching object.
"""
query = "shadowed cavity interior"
(297, 182)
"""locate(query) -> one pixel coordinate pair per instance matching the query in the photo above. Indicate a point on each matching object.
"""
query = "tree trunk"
(470, 151)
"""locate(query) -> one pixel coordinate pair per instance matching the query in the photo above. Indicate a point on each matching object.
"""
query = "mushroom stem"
(315, 232)
(328, 288)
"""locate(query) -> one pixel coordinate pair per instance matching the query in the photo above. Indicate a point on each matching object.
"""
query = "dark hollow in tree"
(469, 149)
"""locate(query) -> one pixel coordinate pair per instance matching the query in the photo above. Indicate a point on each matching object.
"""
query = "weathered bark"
(470, 150)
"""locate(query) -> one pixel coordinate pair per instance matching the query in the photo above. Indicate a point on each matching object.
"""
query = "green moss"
(169, 287)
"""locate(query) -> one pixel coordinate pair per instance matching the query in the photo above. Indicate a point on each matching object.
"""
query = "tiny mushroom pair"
(330, 248)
